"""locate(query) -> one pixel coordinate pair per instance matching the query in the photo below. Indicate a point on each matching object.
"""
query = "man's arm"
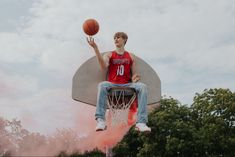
(135, 76)
(103, 61)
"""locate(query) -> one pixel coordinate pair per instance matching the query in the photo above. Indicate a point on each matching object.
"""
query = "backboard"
(89, 75)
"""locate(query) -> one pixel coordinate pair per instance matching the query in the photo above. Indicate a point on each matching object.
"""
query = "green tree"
(171, 128)
(206, 128)
(214, 117)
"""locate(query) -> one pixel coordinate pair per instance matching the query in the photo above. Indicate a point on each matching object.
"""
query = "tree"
(171, 128)
(214, 117)
(206, 128)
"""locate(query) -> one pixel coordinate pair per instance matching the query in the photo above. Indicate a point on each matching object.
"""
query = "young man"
(121, 73)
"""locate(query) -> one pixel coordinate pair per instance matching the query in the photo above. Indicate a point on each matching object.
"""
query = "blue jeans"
(141, 89)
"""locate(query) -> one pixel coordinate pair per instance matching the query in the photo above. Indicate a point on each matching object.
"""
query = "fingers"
(135, 78)
(90, 40)
(87, 40)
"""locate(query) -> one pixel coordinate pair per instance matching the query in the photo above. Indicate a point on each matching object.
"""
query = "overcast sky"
(189, 43)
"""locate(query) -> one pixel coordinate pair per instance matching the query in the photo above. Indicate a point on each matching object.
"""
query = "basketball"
(90, 27)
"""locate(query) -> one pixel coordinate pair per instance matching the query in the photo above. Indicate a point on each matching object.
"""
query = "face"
(119, 41)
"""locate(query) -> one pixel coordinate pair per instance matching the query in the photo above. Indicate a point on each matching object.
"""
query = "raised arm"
(103, 61)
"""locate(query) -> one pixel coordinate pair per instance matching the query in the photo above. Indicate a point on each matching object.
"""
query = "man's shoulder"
(131, 55)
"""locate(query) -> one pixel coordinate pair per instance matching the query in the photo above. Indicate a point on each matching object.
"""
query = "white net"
(119, 102)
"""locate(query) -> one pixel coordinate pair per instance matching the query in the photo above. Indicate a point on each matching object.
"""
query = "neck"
(120, 50)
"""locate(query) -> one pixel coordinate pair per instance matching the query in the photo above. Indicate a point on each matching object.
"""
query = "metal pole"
(109, 152)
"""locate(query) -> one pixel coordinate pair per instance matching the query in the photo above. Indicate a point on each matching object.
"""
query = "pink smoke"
(17, 141)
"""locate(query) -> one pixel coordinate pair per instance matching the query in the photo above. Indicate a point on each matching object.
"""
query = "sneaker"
(142, 127)
(100, 125)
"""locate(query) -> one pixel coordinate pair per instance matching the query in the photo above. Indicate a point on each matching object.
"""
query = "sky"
(189, 43)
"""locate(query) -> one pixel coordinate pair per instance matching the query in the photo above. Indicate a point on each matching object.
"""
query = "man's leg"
(142, 115)
(141, 90)
(101, 105)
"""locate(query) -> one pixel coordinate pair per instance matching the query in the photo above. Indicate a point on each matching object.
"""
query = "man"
(121, 73)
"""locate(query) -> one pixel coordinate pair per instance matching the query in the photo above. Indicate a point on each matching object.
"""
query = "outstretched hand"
(91, 42)
(135, 78)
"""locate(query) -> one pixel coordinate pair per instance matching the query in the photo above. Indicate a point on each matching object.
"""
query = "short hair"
(121, 34)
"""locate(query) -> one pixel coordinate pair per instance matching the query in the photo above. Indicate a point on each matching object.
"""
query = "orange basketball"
(90, 27)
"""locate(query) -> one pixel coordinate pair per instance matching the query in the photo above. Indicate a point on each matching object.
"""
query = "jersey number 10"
(120, 70)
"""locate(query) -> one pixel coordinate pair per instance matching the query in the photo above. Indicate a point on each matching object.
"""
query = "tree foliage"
(206, 128)
(214, 117)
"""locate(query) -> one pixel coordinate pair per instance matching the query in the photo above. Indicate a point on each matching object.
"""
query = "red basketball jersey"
(119, 71)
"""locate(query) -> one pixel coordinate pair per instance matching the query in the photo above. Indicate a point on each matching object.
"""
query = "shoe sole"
(146, 131)
(101, 129)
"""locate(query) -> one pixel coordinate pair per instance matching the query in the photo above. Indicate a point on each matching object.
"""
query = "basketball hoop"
(119, 103)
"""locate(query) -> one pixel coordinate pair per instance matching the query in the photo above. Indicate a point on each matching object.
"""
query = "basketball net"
(119, 105)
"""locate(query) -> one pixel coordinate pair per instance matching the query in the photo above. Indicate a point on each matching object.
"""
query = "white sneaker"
(142, 127)
(100, 125)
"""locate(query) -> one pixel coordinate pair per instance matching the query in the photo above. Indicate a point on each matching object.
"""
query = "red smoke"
(17, 141)
(109, 137)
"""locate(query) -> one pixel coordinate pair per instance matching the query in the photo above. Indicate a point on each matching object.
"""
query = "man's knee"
(103, 85)
(142, 86)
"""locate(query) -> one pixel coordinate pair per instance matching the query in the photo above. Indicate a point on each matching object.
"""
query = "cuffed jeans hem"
(99, 116)
(142, 121)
